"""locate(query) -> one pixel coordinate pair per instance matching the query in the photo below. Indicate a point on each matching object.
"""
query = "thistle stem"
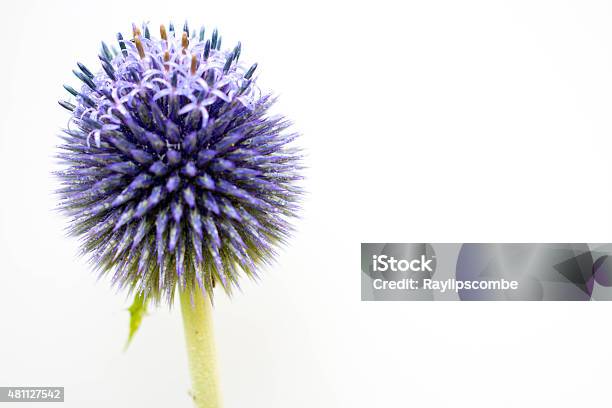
(197, 321)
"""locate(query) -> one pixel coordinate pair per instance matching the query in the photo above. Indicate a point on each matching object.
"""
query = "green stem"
(197, 320)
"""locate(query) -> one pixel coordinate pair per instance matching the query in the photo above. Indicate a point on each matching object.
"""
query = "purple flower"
(173, 170)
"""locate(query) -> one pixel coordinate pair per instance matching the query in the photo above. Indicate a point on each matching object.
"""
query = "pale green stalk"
(197, 320)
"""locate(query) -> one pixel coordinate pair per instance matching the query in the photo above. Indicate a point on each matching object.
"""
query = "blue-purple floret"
(174, 173)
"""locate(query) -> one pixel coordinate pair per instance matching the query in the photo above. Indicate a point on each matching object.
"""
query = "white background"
(424, 121)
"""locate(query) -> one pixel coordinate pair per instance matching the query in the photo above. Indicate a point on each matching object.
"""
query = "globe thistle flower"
(174, 172)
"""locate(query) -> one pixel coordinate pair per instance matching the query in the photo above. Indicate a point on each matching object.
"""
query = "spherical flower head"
(174, 172)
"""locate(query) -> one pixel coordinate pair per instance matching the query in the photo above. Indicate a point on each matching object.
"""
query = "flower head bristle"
(139, 47)
(174, 172)
(185, 41)
(194, 64)
(136, 31)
